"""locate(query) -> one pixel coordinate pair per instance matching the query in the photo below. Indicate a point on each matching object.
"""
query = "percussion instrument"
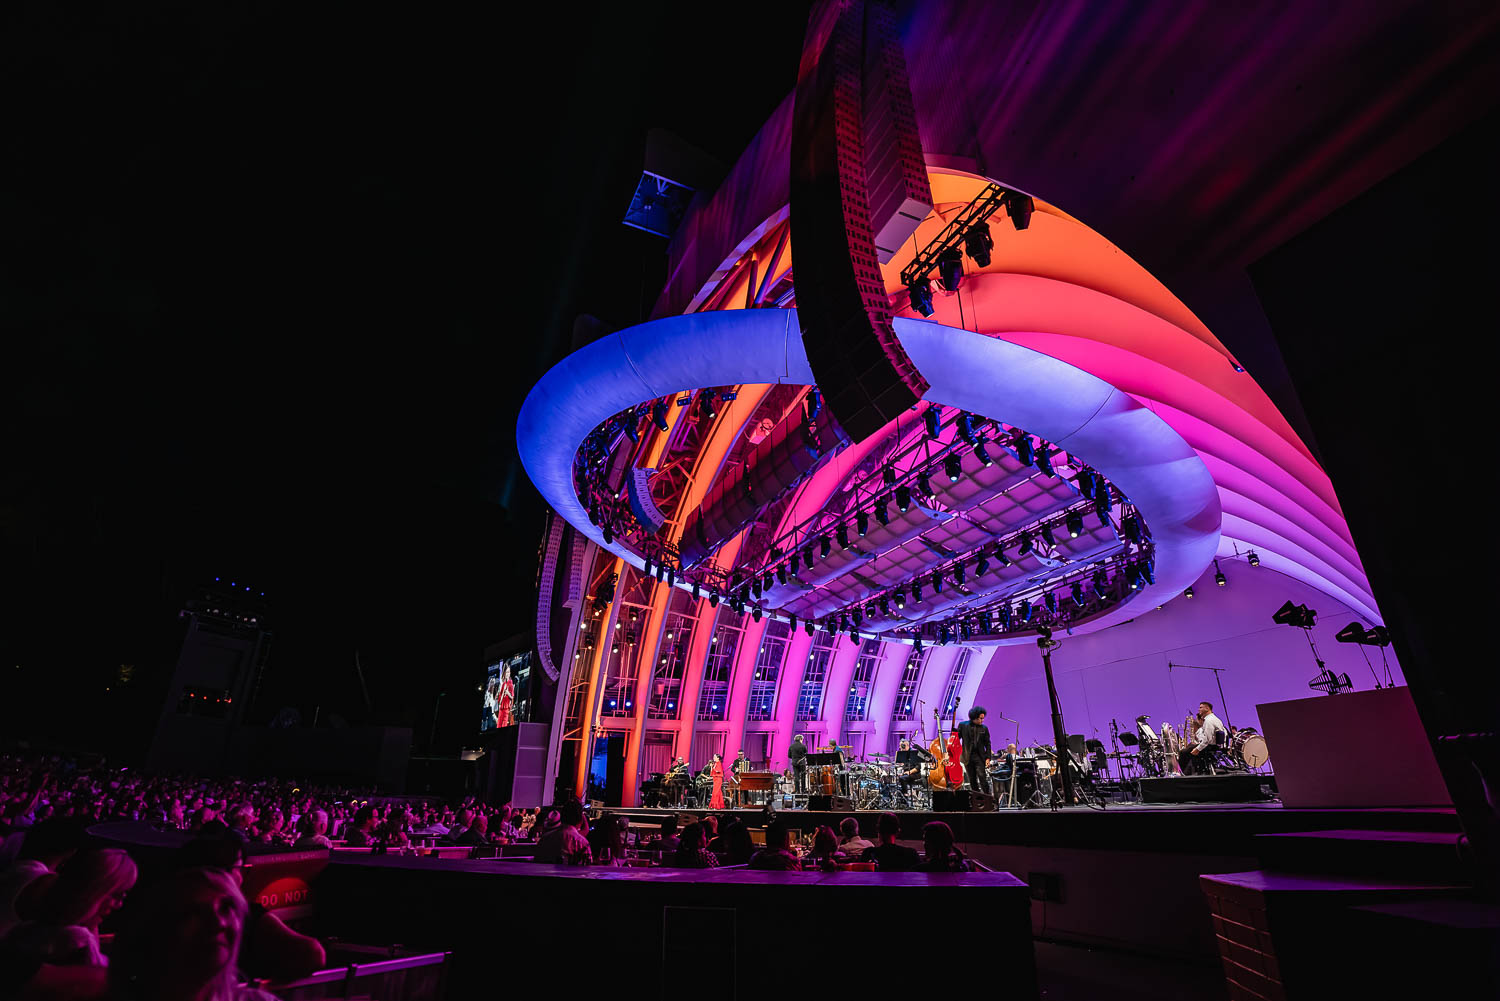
(1249, 746)
(822, 779)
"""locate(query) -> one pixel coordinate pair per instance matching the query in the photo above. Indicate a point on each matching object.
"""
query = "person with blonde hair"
(62, 923)
(184, 942)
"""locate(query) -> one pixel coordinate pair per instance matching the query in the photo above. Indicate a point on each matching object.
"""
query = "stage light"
(1148, 569)
(958, 574)
(953, 467)
(695, 591)
(937, 582)
(1354, 632)
(1295, 615)
(659, 415)
(1219, 577)
(1019, 207)
(885, 608)
(671, 705)
(1024, 549)
(612, 703)
(814, 404)
(1101, 581)
(1046, 534)
(859, 616)
(903, 498)
(614, 647)
(942, 635)
(888, 475)
(984, 456)
(810, 626)
(594, 516)
(916, 646)
(1005, 618)
(1025, 451)
(609, 534)
(756, 614)
(900, 599)
(982, 565)
(1103, 513)
(1188, 591)
(707, 404)
(1130, 527)
(631, 431)
(916, 592)
(950, 265)
(920, 293)
(807, 555)
(1078, 593)
(646, 565)
(781, 574)
(1000, 556)
(924, 485)
(843, 536)
(825, 546)
(1075, 524)
(1043, 461)
(1085, 482)
(978, 243)
(1026, 610)
(882, 513)
(671, 576)
(1253, 559)
(713, 599)
(1050, 600)
(861, 524)
(986, 624)
(757, 586)
(965, 425)
(934, 426)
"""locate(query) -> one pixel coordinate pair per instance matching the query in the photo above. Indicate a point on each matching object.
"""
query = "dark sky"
(274, 283)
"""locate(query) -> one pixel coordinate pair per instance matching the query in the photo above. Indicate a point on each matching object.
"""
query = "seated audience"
(940, 853)
(567, 843)
(61, 924)
(314, 830)
(850, 843)
(691, 851)
(667, 840)
(825, 850)
(184, 942)
(44, 848)
(777, 854)
(889, 856)
(361, 829)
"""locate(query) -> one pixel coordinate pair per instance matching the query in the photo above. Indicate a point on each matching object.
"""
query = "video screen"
(507, 687)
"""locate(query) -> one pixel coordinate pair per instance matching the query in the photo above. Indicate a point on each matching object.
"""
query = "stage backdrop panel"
(1358, 749)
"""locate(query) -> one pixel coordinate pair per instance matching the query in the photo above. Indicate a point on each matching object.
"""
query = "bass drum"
(1249, 746)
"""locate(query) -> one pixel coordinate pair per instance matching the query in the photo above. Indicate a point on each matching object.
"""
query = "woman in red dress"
(716, 799)
(506, 701)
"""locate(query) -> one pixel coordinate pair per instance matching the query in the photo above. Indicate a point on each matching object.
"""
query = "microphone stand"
(1223, 703)
(1012, 792)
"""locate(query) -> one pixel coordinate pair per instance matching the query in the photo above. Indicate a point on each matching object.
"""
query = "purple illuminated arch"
(1136, 450)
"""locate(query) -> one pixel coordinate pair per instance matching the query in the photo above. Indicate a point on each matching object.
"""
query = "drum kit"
(1153, 755)
(872, 784)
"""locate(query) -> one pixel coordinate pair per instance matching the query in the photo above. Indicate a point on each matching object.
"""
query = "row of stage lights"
(970, 228)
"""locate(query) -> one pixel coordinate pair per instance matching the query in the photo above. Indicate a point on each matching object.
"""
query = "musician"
(676, 780)
(1007, 763)
(975, 738)
(1209, 727)
(703, 783)
(833, 748)
(797, 755)
(912, 762)
(738, 767)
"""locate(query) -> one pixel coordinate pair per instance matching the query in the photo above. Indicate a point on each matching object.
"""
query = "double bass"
(955, 755)
(937, 778)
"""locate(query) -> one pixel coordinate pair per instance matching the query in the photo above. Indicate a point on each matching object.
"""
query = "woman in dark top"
(691, 852)
(940, 853)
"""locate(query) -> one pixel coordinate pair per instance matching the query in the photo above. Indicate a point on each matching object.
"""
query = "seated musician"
(738, 768)
(1006, 763)
(912, 763)
(703, 784)
(889, 856)
(777, 854)
(676, 781)
(1211, 733)
(833, 748)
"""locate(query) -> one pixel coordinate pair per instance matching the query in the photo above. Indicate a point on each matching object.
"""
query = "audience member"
(567, 843)
(691, 851)
(825, 850)
(889, 856)
(777, 854)
(667, 839)
(44, 848)
(61, 925)
(850, 843)
(940, 853)
(314, 830)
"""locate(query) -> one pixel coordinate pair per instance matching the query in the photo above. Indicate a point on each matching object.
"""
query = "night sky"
(272, 290)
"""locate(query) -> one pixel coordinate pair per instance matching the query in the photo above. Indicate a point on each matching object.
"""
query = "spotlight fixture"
(843, 536)
(900, 598)
(1005, 617)
(810, 627)
(958, 574)
(713, 599)
(1101, 581)
(1075, 524)
(885, 608)
(882, 513)
(924, 485)
(1046, 534)
(1024, 549)
(1219, 577)
(1253, 559)
(1187, 592)
(984, 456)
(1295, 615)
(814, 404)
(1130, 527)
(825, 546)
(609, 533)
(1102, 511)
(1026, 610)
(903, 498)
(916, 592)
(1354, 632)
(707, 404)
(791, 620)
(631, 431)
(1078, 593)
(1019, 207)
(859, 616)
(1025, 451)
(756, 614)
(695, 591)
(965, 426)
(916, 646)
(982, 566)
(986, 625)
(781, 574)
(888, 475)
(1148, 569)
(937, 582)
(934, 427)
(659, 415)
(953, 467)
(1000, 556)
(978, 243)
(950, 265)
(1133, 574)
(1050, 600)
(1043, 461)
(1085, 482)
(920, 292)
(862, 524)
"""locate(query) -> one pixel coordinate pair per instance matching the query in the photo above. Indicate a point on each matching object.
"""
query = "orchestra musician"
(1209, 727)
(975, 738)
(912, 765)
(797, 756)
(738, 767)
(676, 781)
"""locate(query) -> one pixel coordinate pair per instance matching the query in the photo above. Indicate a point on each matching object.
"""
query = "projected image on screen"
(506, 683)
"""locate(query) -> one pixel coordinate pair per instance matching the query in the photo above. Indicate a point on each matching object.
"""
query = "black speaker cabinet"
(950, 800)
(981, 802)
(830, 804)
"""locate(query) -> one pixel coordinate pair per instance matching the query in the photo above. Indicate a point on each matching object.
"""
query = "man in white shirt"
(850, 843)
(1209, 727)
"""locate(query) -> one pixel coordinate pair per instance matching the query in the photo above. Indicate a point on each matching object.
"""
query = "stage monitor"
(507, 691)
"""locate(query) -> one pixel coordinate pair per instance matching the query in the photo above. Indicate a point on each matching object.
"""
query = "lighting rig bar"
(968, 230)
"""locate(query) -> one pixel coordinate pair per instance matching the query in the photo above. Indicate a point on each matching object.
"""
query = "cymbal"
(880, 757)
